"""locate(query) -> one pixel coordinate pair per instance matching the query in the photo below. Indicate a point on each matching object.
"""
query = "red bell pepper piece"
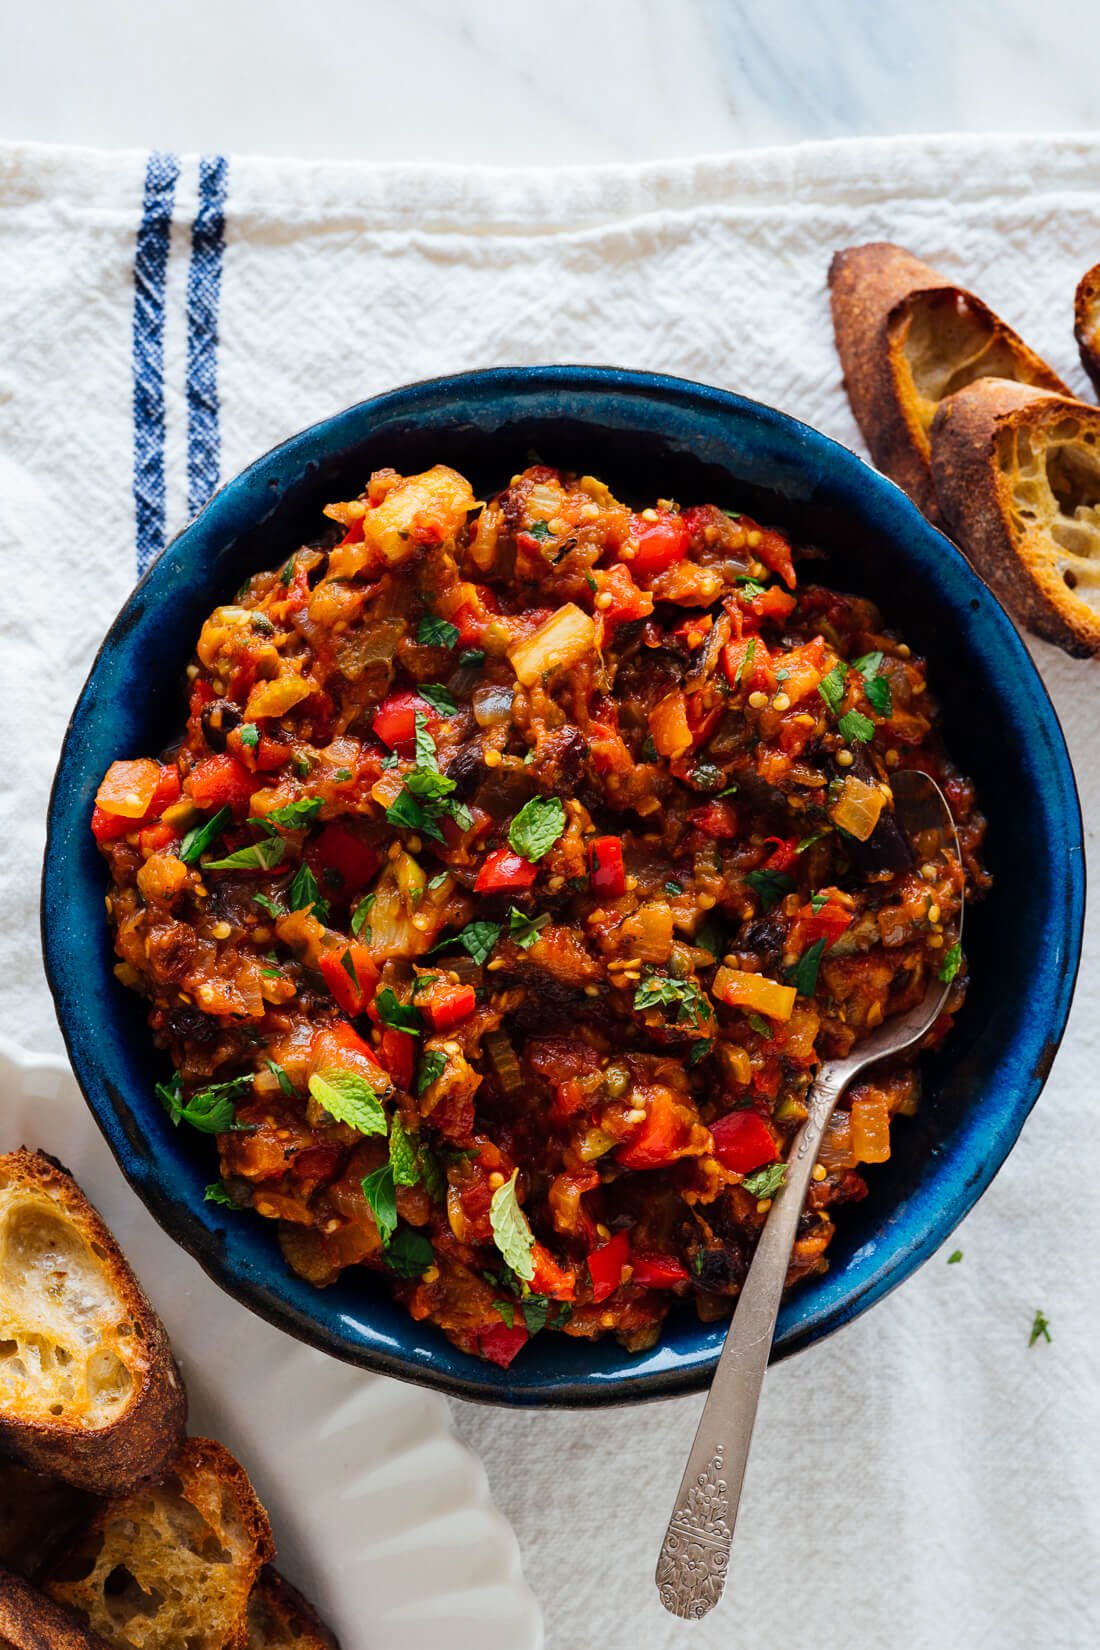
(605, 857)
(316, 1162)
(660, 543)
(783, 855)
(337, 968)
(340, 848)
(451, 1004)
(750, 673)
(773, 603)
(743, 1142)
(503, 871)
(774, 551)
(500, 1344)
(626, 602)
(395, 720)
(655, 1271)
(219, 782)
(827, 923)
(605, 1266)
(660, 1139)
(155, 837)
(397, 1051)
(549, 1278)
(717, 819)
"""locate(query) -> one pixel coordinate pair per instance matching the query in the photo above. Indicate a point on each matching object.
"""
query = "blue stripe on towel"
(203, 291)
(150, 271)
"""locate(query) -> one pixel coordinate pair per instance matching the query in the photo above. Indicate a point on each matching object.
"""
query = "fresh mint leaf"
(281, 1077)
(304, 894)
(397, 1015)
(410, 1253)
(699, 1050)
(404, 1154)
(525, 930)
(211, 1110)
(765, 1182)
(540, 530)
(818, 901)
(433, 1063)
(258, 856)
(1040, 1327)
(661, 991)
(297, 814)
(381, 1196)
(433, 632)
(196, 842)
(218, 1194)
(537, 826)
(359, 924)
(439, 697)
(770, 887)
(512, 1233)
(271, 906)
(952, 962)
(746, 662)
(507, 1310)
(761, 1027)
(803, 976)
(348, 1099)
(954, 1257)
(477, 939)
(473, 658)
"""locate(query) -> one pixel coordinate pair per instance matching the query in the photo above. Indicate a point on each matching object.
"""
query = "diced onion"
(493, 705)
(564, 639)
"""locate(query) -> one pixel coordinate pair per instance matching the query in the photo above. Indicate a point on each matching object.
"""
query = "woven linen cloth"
(925, 1480)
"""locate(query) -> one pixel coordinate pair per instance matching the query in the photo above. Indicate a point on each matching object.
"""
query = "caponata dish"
(517, 865)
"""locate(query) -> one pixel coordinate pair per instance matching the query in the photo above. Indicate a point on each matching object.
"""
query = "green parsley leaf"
(952, 962)
(507, 1310)
(349, 1099)
(808, 841)
(304, 893)
(540, 530)
(833, 687)
(761, 1027)
(217, 1193)
(359, 924)
(271, 906)
(536, 1310)
(404, 1156)
(770, 886)
(249, 735)
(283, 1080)
(258, 856)
(472, 658)
(854, 726)
(525, 930)
(211, 1110)
(879, 695)
(477, 938)
(750, 588)
(537, 827)
(750, 652)
(817, 901)
(699, 1050)
(196, 842)
(296, 814)
(765, 1182)
(1040, 1327)
(410, 1253)
(954, 1257)
(302, 764)
(803, 976)
(661, 991)
(406, 811)
(433, 1063)
(341, 776)
(511, 1232)
(381, 1195)
(433, 632)
(439, 697)
(868, 664)
(396, 1014)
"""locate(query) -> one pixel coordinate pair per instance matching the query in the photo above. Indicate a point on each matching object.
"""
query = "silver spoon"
(691, 1569)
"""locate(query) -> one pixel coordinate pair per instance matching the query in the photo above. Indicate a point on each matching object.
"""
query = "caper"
(616, 1080)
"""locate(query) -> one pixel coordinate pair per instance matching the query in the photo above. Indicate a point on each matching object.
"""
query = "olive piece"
(219, 718)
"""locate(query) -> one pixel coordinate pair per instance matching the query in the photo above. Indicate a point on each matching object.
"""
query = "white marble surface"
(561, 81)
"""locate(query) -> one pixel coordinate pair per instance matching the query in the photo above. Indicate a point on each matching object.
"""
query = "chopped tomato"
(748, 665)
(743, 1142)
(784, 853)
(270, 754)
(549, 1278)
(605, 857)
(718, 819)
(338, 847)
(351, 974)
(660, 543)
(661, 1138)
(827, 923)
(474, 614)
(773, 603)
(316, 1162)
(221, 782)
(504, 871)
(155, 837)
(605, 1266)
(397, 1052)
(110, 825)
(669, 725)
(450, 1004)
(627, 602)
(775, 552)
(500, 1344)
(694, 631)
(805, 666)
(654, 1271)
(395, 720)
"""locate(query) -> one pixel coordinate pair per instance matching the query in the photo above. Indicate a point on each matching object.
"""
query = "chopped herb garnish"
(750, 588)
(536, 1310)
(288, 570)
(381, 1196)
(525, 930)
(1040, 1327)
(808, 841)
(397, 1015)
(875, 685)
(439, 697)
(750, 653)
(661, 991)
(349, 1099)
(648, 751)
(761, 1027)
(477, 938)
(540, 530)
(433, 1063)
(507, 1310)
(296, 814)
(359, 925)
(211, 1110)
(833, 686)
(734, 515)
(196, 842)
(818, 901)
(218, 1194)
(302, 764)
(855, 727)
(765, 1182)
(699, 1050)
(304, 893)
(410, 1253)
(407, 812)
(674, 887)
(803, 976)
(769, 886)
(511, 1232)
(283, 1080)
(271, 906)
(590, 582)
(341, 776)
(952, 962)
(404, 1154)
(472, 658)
(954, 1257)
(258, 856)
(249, 735)
(433, 632)
(537, 826)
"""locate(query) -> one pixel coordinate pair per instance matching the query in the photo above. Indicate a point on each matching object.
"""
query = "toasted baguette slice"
(174, 1563)
(29, 1621)
(89, 1391)
(1018, 474)
(907, 337)
(279, 1618)
(37, 1515)
(1086, 319)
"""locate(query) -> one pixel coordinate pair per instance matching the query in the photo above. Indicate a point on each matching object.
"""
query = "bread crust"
(37, 1516)
(30, 1621)
(135, 1444)
(876, 291)
(1086, 322)
(977, 436)
(207, 1478)
(278, 1617)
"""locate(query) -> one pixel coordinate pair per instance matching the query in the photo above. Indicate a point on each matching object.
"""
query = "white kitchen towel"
(925, 1480)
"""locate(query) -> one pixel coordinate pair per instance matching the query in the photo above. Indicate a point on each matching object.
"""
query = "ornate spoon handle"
(691, 1569)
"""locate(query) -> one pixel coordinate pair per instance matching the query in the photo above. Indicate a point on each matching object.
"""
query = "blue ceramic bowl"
(647, 436)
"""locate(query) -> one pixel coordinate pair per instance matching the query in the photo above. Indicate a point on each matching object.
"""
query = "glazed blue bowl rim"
(961, 1181)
